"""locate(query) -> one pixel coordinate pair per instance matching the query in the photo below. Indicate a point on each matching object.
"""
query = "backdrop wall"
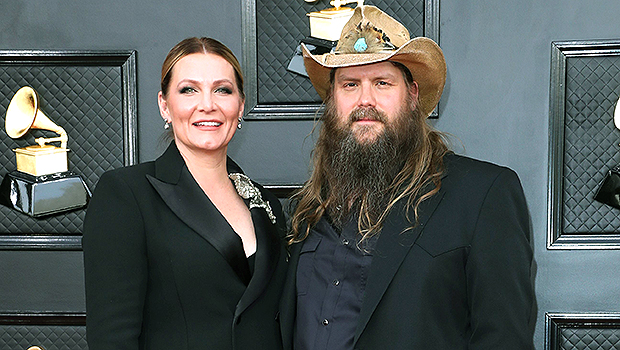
(496, 104)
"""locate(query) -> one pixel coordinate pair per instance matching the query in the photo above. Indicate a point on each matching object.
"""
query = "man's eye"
(347, 85)
(383, 83)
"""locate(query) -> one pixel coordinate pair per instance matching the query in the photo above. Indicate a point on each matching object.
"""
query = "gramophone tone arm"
(63, 138)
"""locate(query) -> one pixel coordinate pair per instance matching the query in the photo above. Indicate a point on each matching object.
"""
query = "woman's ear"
(163, 107)
(242, 109)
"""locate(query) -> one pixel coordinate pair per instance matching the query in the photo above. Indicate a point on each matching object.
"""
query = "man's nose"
(367, 96)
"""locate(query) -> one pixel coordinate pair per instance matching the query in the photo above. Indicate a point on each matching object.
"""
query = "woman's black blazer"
(155, 268)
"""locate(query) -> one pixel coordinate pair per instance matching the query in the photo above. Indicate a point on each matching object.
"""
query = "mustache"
(367, 113)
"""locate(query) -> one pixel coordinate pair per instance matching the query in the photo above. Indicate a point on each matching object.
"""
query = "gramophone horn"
(24, 114)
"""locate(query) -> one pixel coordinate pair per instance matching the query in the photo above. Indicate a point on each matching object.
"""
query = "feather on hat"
(372, 36)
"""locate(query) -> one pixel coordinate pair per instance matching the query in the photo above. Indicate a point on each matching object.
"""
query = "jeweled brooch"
(247, 190)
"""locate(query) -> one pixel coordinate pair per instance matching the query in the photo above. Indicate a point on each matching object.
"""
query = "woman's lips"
(207, 123)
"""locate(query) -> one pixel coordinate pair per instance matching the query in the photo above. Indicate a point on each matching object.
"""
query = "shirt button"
(345, 241)
(325, 322)
(336, 282)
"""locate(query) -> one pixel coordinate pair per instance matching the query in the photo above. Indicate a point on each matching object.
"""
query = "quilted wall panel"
(48, 337)
(584, 143)
(86, 94)
(591, 142)
(282, 24)
(589, 339)
(50, 331)
(595, 331)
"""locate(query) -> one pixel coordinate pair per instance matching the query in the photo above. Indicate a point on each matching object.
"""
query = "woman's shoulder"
(133, 175)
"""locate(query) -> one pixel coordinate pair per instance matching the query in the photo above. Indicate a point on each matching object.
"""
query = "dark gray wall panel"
(37, 281)
(496, 104)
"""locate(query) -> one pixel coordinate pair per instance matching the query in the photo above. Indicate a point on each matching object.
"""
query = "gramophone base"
(43, 195)
(41, 160)
(316, 46)
(328, 24)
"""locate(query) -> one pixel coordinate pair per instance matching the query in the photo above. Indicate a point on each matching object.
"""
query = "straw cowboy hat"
(371, 36)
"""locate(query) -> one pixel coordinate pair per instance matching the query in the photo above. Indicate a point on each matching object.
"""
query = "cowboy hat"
(371, 36)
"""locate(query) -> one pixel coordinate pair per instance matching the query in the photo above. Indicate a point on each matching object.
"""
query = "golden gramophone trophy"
(327, 24)
(42, 184)
(325, 28)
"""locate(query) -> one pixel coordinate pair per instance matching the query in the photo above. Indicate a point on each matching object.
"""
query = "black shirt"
(331, 280)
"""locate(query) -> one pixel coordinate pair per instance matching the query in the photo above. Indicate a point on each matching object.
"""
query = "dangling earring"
(166, 125)
(240, 123)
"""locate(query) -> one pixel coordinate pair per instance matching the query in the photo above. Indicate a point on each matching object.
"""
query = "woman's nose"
(206, 102)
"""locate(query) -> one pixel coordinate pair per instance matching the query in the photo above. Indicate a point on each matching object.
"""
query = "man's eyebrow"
(383, 76)
(346, 77)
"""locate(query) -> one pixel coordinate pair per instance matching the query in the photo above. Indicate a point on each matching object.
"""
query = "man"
(397, 242)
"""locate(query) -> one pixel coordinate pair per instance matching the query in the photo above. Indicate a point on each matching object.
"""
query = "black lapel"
(185, 198)
(267, 254)
(390, 251)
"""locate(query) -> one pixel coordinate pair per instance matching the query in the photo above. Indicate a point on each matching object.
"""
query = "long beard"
(360, 174)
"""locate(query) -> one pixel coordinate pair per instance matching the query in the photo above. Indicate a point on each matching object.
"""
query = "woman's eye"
(187, 90)
(224, 90)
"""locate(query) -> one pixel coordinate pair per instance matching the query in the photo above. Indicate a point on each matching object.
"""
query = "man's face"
(360, 89)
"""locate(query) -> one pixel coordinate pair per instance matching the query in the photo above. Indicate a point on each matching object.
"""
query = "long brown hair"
(418, 180)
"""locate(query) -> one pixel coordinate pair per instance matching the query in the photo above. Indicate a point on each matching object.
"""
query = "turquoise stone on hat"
(360, 45)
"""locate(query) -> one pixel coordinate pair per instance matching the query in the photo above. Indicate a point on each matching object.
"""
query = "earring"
(166, 125)
(240, 123)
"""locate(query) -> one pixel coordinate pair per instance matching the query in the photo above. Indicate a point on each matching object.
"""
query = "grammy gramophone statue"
(609, 190)
(325, 28)
(42, 184)
(328, 23)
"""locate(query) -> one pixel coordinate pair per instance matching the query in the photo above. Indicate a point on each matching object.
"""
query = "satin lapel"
(185, 198)
(267, 254)
(390, 251)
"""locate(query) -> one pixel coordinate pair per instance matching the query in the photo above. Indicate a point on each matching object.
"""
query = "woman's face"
(203, 103)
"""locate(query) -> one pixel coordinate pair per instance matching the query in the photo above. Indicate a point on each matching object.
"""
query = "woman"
(185, 252)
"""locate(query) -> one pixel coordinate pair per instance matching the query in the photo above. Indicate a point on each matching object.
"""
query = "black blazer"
(154, 277)
(459, 280)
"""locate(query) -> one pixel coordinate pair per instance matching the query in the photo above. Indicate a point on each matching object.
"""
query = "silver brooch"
(247, 190)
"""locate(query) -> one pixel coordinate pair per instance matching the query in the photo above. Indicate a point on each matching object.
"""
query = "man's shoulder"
(457, 162)
(463, 168)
